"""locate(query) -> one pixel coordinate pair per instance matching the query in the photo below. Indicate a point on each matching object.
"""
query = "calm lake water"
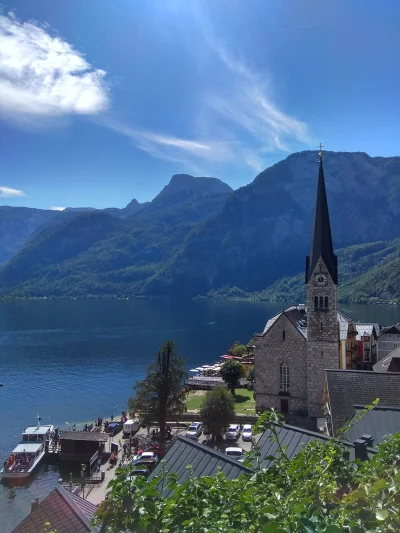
(72, 361)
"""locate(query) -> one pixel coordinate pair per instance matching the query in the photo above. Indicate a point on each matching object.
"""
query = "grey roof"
(84, 435)
(205, 461)
(379, 422)
(347, 388)
(390, 363)
(66, 513)
(298, 317)
(366, 328)
(294, 438)
(321, 241)
(390, 329)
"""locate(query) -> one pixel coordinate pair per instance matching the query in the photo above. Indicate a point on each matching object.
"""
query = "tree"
(217, 411)
(238, 350)
(231, 371)
(162, 392)
(250, 374)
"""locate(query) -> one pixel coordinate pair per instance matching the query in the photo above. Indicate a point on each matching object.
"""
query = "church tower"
(322, 321)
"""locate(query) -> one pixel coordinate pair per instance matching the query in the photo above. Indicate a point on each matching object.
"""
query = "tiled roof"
(294, 438)
(379, 422)
(65, 512)
(347, 388)
(205, 461)
(84, 435)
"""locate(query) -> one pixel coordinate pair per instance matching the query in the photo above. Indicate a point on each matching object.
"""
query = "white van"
(130, 427)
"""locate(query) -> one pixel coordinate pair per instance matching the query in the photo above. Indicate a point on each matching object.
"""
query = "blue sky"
(102, 101)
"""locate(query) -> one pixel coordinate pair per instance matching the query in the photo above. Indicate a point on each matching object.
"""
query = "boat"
(26, 456)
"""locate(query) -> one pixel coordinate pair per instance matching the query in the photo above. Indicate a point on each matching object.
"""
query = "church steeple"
(321, 242)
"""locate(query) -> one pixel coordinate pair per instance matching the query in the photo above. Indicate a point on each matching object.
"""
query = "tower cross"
(320, 149)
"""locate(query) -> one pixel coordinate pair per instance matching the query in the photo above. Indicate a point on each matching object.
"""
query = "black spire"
(321, 242)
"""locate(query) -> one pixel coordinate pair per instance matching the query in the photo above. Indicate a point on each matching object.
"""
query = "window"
(316, 302)
(283, 335)
(284, 377)
(321, 302)
(326, 302)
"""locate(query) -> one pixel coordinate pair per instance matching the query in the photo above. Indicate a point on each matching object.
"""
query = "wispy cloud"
(8, 191)
(41, 75)
(56, 208)
(252, 108)
(172, 148)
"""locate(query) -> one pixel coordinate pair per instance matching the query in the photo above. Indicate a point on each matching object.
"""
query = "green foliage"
(250, 374)
(319, 491)
(217, 410)
(238, 350)
(231, 371)
(162, 392)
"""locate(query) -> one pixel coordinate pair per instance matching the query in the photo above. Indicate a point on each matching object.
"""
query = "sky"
(103, 101)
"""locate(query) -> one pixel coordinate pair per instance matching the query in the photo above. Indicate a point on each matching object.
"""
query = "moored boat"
(26, 456)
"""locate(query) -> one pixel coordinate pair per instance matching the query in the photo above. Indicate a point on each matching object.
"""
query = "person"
(112, 418)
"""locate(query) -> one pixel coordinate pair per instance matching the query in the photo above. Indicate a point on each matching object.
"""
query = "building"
(379, 423)
(367, 335)
(346, 390)
(388, 340)
(66, 513)
(298, 344)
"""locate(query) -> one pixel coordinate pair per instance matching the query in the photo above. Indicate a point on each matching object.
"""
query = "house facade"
(388, 340)
(298, 344)
(367, 335)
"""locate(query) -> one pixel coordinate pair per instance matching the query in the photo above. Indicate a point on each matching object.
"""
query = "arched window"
(284, 377)
(283, 335)
(326, 302)
(321, 302)
(316, 302)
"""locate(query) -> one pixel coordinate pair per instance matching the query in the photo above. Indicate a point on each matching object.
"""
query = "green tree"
(231, 371)
(217, 411)
(250, 374)
(238, 350)
(162, 392)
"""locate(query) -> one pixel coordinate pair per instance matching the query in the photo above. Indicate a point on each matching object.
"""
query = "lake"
(72, 361)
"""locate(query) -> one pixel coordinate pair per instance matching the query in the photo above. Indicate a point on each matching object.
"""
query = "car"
(145, 462)
(194, 430)
(235, 453)
(148, 454)
(247, 433)
(233, 432)
(145, 472)
(114, 427)
(156, 449)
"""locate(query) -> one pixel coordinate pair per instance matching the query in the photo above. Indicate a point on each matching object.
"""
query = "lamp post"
(83, 470)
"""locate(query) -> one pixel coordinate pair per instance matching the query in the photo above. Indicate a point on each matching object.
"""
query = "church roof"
(390, 363)
(321, 241)
(297, 314)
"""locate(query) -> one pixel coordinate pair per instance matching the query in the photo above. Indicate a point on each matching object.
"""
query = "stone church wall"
(272, 350)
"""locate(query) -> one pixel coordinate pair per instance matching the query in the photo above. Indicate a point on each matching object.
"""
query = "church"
(298, 344)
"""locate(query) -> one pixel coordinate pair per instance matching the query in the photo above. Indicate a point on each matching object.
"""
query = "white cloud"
(251, 107)
(174, 149)
(7, 191)
(43, 76)
(55, 208)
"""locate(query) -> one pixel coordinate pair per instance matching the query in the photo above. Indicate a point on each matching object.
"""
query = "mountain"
(17, 224)
(113, 255)
(263, 231)
(198, 235)
(367, 273)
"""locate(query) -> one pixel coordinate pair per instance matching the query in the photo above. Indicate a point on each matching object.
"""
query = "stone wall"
(272, 349)
(322, 338)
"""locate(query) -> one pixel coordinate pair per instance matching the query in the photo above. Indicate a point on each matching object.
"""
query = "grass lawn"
(244, 402)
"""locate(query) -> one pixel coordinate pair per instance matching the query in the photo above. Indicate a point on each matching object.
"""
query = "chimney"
(360, 449)
(369, 439)
(34, 504)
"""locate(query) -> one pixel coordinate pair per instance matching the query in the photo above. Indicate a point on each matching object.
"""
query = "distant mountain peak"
(191, 185)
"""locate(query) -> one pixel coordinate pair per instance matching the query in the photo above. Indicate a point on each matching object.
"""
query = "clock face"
(320, 279)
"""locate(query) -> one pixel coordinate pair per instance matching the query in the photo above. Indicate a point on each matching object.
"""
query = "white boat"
(25, 457)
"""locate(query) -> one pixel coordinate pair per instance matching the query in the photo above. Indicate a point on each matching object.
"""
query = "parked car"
(145, 472)
(233, 432)
(247, 433)
(235, 453)
(156, 448)
(194, 430)
(145, 462)
(131, 426)
(114, 427)
(148, 454)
